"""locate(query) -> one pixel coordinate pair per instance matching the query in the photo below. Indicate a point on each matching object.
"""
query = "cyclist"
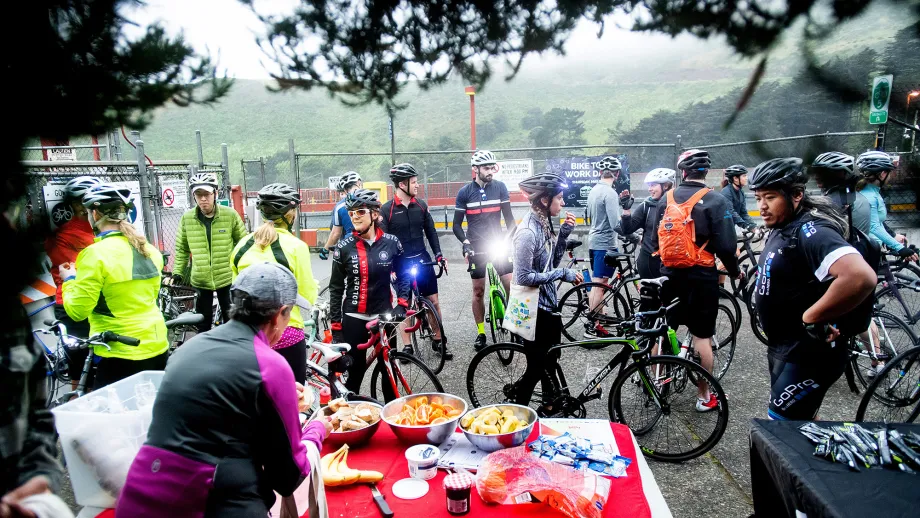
(341, 225)
(808, 274)
(273, 242)
(835, 175)
(484, 202)
(688, 251)
(225, 432)
(207, 233)
(115, 284)
(407, 218)
(362, 264)
(603, 210)
(737, 177)
(62, 247)
(645, 216)
(875, 167)
(537, 253)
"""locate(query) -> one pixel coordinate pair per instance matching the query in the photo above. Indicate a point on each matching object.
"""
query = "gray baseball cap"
(267, 286)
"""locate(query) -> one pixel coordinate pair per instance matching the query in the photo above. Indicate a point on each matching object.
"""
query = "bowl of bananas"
(495, 427)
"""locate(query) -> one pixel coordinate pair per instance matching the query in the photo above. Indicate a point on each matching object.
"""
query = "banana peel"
(337, 473)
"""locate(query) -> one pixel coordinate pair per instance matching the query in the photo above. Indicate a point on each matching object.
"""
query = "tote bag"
(521, 311)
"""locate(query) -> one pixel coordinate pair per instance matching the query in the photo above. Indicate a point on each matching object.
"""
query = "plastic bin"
(120, 432)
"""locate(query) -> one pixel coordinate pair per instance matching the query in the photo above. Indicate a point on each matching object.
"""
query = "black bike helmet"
(544, 183)
(402, 172)
(77, 187)
(872, 163)
(735, 170)
(363, 198)
(834, 161)
(108, 199)
(778, 172)
(609, 163)
(694, 160)
(277, 199)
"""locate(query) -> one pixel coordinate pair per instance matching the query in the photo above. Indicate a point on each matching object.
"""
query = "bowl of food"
(495, 427)
(427, 418)
(353, 423)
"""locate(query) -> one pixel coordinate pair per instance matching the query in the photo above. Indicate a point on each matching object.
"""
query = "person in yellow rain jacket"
(114, 284)
(273, 242)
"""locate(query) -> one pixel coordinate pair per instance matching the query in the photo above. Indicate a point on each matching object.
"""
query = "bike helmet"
(203, 180)
(778, 172)
(77, 187)
(348, 179)
(402, 172)
(363, 198)
(694, 160)
(834, 161)
(735, 170)
(609, 163)
(543, 183)
(482, 158)
(874, 162)
(660, 175)
(277, 199)
(109, 199)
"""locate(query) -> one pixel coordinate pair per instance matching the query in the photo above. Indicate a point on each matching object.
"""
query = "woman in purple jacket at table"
(226, 433)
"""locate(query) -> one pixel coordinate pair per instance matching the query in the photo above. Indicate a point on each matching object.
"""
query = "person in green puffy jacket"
(208, 233)
(115, 284)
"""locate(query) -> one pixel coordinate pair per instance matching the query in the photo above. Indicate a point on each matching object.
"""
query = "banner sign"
(60, 212)
(582, 175)
(334, 183)
(511, 172)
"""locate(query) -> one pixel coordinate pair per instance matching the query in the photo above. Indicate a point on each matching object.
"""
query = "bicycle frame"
(496, 306)
(888, 279)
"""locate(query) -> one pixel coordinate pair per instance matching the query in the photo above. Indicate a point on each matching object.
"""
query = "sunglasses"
(359, 212)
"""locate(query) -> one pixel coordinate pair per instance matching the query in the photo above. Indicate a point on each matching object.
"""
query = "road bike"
(495, 292)
(868, 350)
(894, 394)
(425, 328)
(618, 301)
(655, 395)
(899, 288)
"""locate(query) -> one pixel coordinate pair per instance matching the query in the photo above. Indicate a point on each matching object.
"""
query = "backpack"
(677, 235)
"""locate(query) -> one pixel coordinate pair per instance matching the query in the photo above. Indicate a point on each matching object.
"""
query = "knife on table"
(381, 502)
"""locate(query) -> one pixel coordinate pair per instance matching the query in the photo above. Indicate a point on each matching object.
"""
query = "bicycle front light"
(498, 249)
(414, 271)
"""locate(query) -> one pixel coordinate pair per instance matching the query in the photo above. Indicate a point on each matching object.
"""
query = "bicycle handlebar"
(108, 336)
(376, 321)
(440, 266)
(99, 339)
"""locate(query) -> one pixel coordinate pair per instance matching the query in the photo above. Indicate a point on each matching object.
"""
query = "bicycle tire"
(625, 305)
(889, 326)
(482, 369)
(400, 362)
(726, 295)
(573, 311)
(903, 363)
(724, 353)
(673, 369)
(423, 337)
(747, 279)
(910, 311)
(756, 328)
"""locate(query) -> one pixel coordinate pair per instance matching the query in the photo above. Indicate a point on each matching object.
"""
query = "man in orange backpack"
(695, 225)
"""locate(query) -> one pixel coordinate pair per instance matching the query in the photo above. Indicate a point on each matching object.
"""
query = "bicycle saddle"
(612, 258)
(185, 319)
(654, 282)
(331, 352)
(572, 244)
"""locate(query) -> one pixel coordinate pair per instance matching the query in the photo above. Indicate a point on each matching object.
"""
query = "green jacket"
(116, 288)
(210, 261)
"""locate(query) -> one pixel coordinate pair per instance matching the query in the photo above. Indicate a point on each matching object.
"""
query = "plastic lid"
(324, 396)
(458, 481)
(410, 489)
(423, 453)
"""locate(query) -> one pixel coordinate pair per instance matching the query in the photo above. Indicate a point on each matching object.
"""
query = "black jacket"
(411, 225)
(740, 214)
(360, 279)
(644, 216)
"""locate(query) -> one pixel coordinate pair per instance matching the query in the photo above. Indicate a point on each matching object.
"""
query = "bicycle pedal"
(594, 395)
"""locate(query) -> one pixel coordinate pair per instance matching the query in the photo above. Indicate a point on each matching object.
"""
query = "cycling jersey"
(411, 225)
(340, 218)
(360, 278)
(225, 432)
(483, 207)
(63, 246)
(877, 214)
(644, 216)
(603, 210)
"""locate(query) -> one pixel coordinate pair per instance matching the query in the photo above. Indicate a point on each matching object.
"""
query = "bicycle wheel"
(423, 338)
(726, 297)
(757, 329)
(894, 336)
(746, 264)
(412, 376)
(909, 310)
(724, 341)
(491, 380)
(894, 394)
(576, 318)
(652, 397)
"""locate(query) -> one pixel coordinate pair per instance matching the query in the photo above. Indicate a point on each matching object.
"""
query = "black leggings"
(798, 389)
(649, 265)
(110, 370)
(355, 333)
(548, 334)
(205, 306)
(296, 356)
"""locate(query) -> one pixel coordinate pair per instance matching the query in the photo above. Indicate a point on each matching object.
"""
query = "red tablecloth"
(384, 453)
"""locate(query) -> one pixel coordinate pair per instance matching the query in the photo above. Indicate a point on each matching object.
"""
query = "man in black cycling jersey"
(362, 263)
(808, 278)
(484, 202)
(407, 218)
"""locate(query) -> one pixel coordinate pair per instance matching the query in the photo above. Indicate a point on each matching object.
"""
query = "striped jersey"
(482, 206)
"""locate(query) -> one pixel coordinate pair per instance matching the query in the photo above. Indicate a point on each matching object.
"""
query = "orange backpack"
(677, 235)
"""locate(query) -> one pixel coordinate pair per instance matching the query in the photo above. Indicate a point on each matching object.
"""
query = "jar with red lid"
(458, 487)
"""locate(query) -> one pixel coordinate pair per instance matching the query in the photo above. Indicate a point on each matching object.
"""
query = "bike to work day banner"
(582, 174)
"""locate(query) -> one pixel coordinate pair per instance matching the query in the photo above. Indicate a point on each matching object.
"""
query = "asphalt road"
(716, 484)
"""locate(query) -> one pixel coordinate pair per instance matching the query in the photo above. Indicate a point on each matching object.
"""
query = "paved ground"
(717, 484)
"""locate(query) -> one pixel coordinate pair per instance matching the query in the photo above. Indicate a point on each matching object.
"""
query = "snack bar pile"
(579, 453)
(855, 446)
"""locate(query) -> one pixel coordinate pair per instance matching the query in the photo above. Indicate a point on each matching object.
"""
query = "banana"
(337, 473)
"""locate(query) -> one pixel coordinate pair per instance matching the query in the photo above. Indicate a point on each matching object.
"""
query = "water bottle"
(586, 274)
(675, 345)
(684, 346)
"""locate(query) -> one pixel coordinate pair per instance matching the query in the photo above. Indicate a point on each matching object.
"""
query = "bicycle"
(894, 336)
(425, 328)
(899, 287)
(645, 394)
(578, 321)
(896, 389)
(748, 257)
(496, 295)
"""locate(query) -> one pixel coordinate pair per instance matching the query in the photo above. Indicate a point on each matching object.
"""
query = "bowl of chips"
(495, 427)
(427, 418)
(353, 422)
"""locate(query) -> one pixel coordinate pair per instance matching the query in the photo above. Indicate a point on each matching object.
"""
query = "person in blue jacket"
(737, 178)
(875, 167)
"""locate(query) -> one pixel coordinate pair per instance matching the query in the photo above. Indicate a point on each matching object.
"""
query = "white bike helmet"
(76, 188)
(482, 158)
(660, 175)
(348, 179)
(206, 181)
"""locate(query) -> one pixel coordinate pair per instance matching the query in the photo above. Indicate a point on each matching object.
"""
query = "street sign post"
(878, 102)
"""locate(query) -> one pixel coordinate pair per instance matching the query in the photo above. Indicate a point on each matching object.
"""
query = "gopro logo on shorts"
(790, 391)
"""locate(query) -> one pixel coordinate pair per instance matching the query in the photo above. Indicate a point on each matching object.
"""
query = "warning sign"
(169, 197)
(174, 193)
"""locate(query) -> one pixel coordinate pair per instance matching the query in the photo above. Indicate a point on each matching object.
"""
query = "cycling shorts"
(699, 302)
(798, 389)
(424, 275)
(599, 269)
(479, 261)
